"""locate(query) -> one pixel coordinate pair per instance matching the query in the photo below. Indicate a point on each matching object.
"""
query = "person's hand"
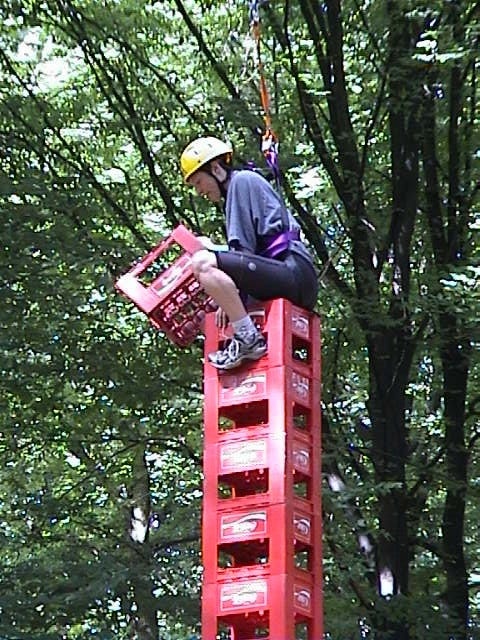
(221, 318)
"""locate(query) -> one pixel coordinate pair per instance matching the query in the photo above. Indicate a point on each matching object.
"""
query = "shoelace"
(231, 350)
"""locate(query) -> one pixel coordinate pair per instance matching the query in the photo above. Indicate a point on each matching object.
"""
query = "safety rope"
(269, 143)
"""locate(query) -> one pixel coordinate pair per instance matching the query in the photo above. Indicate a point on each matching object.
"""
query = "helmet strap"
(222, 184)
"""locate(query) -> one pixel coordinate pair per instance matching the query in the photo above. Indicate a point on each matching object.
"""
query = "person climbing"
(264, 258)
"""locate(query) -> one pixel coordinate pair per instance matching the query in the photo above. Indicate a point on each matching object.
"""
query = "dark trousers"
(289, 276)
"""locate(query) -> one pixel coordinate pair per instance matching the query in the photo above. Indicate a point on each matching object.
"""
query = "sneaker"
(237, 351)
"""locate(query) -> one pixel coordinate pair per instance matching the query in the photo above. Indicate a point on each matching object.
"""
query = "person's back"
(254, 209)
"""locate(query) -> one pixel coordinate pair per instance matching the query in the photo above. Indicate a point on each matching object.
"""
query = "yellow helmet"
(201, 151)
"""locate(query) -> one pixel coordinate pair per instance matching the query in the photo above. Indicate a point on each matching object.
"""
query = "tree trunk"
(448, 251)
(145, 624)
(455, 353)
(387, 412)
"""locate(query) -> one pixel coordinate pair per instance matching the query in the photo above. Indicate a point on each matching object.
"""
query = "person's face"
(205, 185)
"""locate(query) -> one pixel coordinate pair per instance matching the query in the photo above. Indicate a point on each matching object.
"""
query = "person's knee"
(203, 262)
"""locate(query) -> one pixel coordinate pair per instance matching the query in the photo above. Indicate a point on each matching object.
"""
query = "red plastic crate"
(166, 290)
(278, 601)
(244, 386)
(254, 627)
(230, 420)
(282, 536)
(277, 396)
(260, 461)
(292, 334)
(258, 447)
(242, 628)
(244, 589)
(258, 522)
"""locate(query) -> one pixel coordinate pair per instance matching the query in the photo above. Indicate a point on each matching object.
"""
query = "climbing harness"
(280, 243)
(269, 144)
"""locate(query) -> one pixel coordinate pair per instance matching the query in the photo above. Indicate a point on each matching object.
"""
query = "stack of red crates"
(162, 285)
(262, 527)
